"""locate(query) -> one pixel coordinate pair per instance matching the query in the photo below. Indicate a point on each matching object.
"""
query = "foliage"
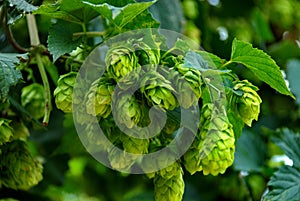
(250, 73)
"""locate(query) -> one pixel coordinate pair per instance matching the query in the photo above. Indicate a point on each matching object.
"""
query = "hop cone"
(147, 54)
(120, 60)
(33, 100)
(247, 105)
(121, 160)
(169, 184)
(187, 82)
(127, 109)
(20, 130)
(6, 132)
(100, 136)
(99, 97)
(213, 148)
(64, 91)
(134, 145)
(158, 91)
(18, 168)
(172, 60)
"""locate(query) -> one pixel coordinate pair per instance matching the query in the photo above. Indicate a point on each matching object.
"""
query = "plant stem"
(33, 31)
(226, 64)
(9, 34)
(35, 42)
(89, 34)
(48, 105)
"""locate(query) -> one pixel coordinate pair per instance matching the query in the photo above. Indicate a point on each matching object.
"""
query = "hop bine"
(213, 148)
(64, 92)
(33, 100)
(18, 168)
(247, 106)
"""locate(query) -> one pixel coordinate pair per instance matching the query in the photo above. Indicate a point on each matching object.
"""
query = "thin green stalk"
(48, 104)
(226, 64)
(85, 42)
(33, 31)
(35, 42)
(89, 34)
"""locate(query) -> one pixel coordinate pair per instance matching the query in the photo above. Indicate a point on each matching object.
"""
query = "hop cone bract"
(213, 148)
(247, 105)
(33, 99)
(169, 184)
(64, 91)
(18, 168)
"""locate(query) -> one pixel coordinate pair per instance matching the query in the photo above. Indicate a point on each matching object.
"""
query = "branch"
(33, 32)
(89, 34)
(9, 34)
(37, 51)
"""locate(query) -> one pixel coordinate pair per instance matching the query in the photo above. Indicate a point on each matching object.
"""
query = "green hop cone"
(99, 97)
(147, 54)
(18, 168)
(187, 83)
(64, 92)
(213, 148)
(158, 91)
(134, 145)
(120, 60)
(121, 160)
(169, 184)
(19, 129)
(248, 104)
(6, 132)
(171, 60)
(193, 77)
(128, 111)
(33, 100)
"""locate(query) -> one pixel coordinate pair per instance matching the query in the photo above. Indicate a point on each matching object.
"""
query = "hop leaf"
(213, 149)
(158, 91)
(64, 92)
(99, 97)
(6, 132)
(33, 100)
(169, 184)
(18, 168)
(247, 105)
(120, 60)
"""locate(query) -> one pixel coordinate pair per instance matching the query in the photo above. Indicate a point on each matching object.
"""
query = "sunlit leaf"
(260, 63)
